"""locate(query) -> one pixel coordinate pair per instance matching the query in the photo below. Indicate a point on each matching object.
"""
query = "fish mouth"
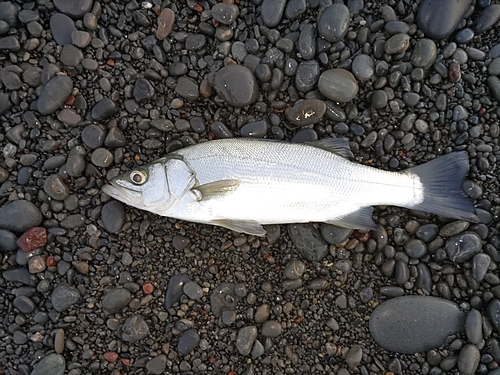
(114, 190)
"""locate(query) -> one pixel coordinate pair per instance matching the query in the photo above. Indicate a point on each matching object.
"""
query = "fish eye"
(138, 177)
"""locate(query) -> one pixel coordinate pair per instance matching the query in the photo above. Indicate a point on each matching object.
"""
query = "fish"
(244, 184)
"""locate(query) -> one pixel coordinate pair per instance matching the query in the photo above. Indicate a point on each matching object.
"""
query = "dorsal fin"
(339, 146)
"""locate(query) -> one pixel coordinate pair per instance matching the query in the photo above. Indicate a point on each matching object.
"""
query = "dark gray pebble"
(116, 300)
(480, 265)
(271, 328)
(415, 248)
(7, 241)
(308, 241)
(333, 22)
(74, 9)
(307, 76)
(294, 269)
(143, 90)
(18, 275)
(93, 136)
(256, 129)
(53, 364)
(134, 329)
(413, 324)
(474, 327)
(468, 359)
(192, 290)
(61, 27)
(113, 216)
(175, 289)
(73, 221)
(492, 311)
(187, 88)
(306, 112)
(272, 12)
(338, 85)
(431, 21)
(188, 341)
(24, 304)
(54, 94)
(55, 187)
(71, 55)
(334, 234)
(64, 296)
(223, 297)
(19, 216)
(104, 109)
(236, 85)
(462, 247)
(488, 18)
(245, 339)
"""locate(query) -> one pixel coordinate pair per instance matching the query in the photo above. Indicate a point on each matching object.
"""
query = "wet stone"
(32, 239)
(64, 296)
(464, 36)
(272, 12)
(236, 85)
(74, 9)
(53, 364)
(488, 18)
(415, 248)
(81, 39)
(54, 94)
(334, 22)
(245, 339)
(308, 241)
(73, 221)
(134, 329)
(104, 109)
(71, 55)
(188, 341)
(175, 289)
(55, 187)
(454, 228)
(363, 67)
(462, 247)
(9, 43)
(102, 157)
(225, 13)
(7, 241)
(492, 311)
(474, 327)
(69, 117)
(192, 290)
(468, 359)
(75, 165)
(19, 338)
(480, 265)
(9, 13)
(397, 44)
(431, 21)
(257, 129)
(414, 324)
(11, 80)
(307, 41)
(354, 356)
(116, 300)
(113, 216)
(24, 304)
(338, 85)
(61, 27)
(379, 99)
(271, 328)
(294, 269)
(143, 90)
(158, 364)
(307, 76)
(424, 54)
(187, 88)
(294, 8)
(166, 21)
(195, 42)
(93, 136)
(334, 234)
(18, 275)
(306, 112)
(115, 138)
(494, 86)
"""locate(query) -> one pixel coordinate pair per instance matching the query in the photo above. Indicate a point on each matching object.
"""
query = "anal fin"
(242, 226)
(360, 219)
(216, 189)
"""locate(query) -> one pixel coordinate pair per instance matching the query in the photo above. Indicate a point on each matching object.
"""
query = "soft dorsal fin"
(339, 146)
(360, 219)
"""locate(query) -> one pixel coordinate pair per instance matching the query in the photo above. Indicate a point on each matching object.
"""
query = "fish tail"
(442, 182)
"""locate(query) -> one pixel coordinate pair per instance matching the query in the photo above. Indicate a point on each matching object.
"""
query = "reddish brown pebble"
(454, 73)
(148, 287)
(81, 266)
(126, 362)
(111, 357)
(166, 22)
(70, 100)
(111, 62)
(198, 8)
(362, 237)
(212, 360)
(32, 239)
(50, 262)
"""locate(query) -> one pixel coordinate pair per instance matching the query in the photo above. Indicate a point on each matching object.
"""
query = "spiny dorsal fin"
(216, 189)
(339, 146)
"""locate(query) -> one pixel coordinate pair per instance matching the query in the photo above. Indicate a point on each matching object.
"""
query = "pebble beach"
(92, 89)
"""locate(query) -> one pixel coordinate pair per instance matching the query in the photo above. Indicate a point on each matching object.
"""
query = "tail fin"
(442, 180)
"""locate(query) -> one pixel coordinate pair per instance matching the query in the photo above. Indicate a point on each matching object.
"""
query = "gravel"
(90, 90)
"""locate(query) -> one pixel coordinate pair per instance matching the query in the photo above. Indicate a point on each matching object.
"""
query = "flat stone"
(19, 216)
(64, 296)
(116, 300)
(187, 88)
(424, 54)
(55, 187)
(175, 289)
(113, 216)
(225, 13)
(33, 239)
(10, 43)
(74, 9)
(338, 85)
(9, 13)
(236, 85)
(272, 12)
(334, 22)
(104, 109)
(188, 341)
(306, 112)
(308, 241)
(431, 19)
(245, 339)
(143, 90)
(69, 117)
(54, 94)
(415, 324)
(134, 329)
(53, 364)
(166, 21)
(158, 364)
(61, 27)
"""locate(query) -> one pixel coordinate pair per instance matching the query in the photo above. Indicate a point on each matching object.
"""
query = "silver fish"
(243, 184)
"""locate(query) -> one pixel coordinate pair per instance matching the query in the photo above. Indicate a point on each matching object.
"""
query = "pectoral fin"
(360, 219)
(215, 189)
(339, 146)
(242, 226)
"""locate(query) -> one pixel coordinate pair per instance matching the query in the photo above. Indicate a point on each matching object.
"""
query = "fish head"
(154, 187)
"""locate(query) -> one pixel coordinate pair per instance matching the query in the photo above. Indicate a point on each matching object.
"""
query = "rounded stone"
(7, 241)
(363, 67)
(116, 300)
(61, 27)
(271, 328)
(462, 247)
(188, 341)
(64, 296)
(306, 112)
(19, 216)
(55, 187)
(431, 21)
(415, 324)
(236, 85)
(53, 364)
(338, 85)
(113, 216)
(334, 22)
(101, 157)
(54, 94)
